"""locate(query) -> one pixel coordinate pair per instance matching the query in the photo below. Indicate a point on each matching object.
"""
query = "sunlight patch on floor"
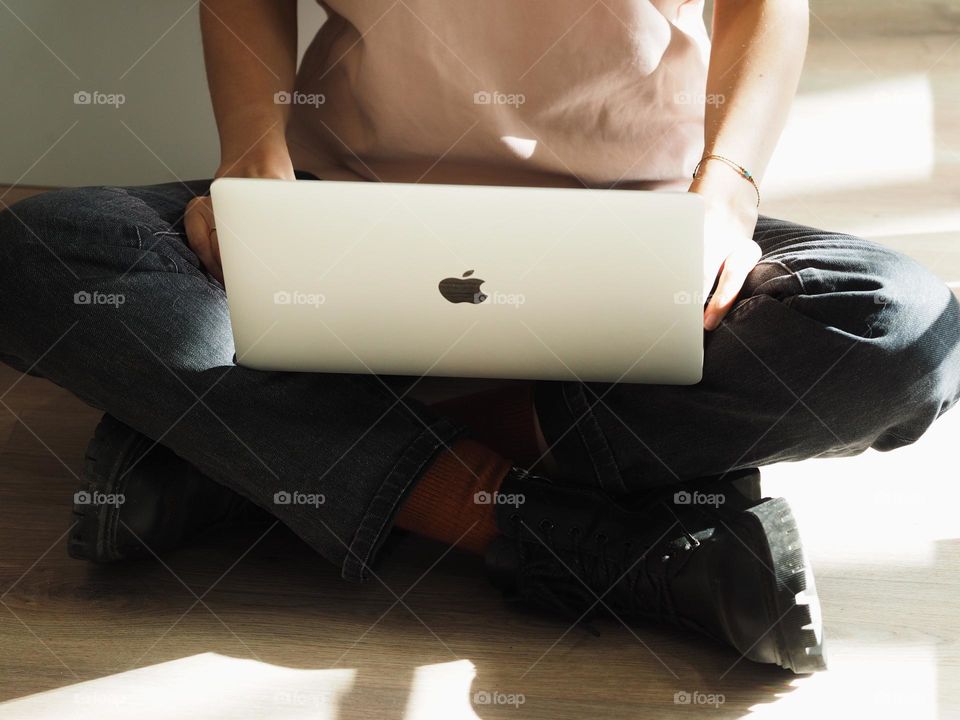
(857, 136)
(202, 686)
(861, 684)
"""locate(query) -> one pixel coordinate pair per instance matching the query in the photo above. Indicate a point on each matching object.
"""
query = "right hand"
(198, 217)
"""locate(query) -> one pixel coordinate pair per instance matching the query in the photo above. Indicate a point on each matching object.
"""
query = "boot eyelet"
(576, 531)
(546, 525)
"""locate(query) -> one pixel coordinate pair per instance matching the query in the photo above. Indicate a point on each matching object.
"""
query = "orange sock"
(452, 501)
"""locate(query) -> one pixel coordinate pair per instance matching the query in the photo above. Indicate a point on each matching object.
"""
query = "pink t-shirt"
(507, 92)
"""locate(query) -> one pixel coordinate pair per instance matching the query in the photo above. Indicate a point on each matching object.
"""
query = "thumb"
(734, 273)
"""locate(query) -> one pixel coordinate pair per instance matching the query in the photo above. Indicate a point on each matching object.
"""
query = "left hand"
(730, 252)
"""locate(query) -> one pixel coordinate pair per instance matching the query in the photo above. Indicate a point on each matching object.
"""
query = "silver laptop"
(463, 281)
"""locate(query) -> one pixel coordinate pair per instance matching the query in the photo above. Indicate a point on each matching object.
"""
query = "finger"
(734, 273)
(195, 225)
(215, 251)
(199, 238)
(206, 208)
(198, 222)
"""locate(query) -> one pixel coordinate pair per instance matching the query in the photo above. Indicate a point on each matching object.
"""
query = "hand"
(198, 218)
(729, 250)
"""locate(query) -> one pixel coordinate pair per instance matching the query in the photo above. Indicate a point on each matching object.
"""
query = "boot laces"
(584, 579)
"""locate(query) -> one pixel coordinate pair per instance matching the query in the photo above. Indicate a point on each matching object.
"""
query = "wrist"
(262, 160)
(254, 146)
(724, 188)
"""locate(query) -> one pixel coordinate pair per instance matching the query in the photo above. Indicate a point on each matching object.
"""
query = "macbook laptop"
(463, 281)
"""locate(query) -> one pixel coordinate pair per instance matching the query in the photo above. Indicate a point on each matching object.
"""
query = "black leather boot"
(704, 557)
(160, 501)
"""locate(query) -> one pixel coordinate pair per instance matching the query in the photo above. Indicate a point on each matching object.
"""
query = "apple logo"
(464, 289)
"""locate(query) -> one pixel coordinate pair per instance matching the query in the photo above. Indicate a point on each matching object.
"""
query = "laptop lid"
(463, 281)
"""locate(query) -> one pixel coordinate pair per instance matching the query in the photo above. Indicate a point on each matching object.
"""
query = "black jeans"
(836, 345)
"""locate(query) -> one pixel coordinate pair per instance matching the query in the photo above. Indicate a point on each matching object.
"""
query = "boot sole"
(796, 619)
(94, 525)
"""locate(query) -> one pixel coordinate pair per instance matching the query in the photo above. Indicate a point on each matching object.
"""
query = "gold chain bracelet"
(743, 172)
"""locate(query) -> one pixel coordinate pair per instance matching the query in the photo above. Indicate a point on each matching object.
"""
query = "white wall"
(149, 51)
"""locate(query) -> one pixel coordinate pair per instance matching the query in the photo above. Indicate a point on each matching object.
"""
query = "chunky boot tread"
(95, 526)
(792, 596)
(735, 572)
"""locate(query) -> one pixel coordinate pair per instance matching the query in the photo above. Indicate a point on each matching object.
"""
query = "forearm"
(250, 53)
(755, 65)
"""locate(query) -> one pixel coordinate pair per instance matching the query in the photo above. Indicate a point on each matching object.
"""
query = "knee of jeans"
(935, 348)
(914, 324)
(911, 306)
(89, 232)
(73, 215)
(920, 356)
(21, 228)
(857, 286)
(905, 318)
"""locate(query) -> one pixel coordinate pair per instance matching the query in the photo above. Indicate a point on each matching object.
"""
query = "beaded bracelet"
(744, 173)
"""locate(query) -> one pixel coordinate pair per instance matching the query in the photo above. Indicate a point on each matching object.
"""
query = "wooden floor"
(221, 627)
(243, 626)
